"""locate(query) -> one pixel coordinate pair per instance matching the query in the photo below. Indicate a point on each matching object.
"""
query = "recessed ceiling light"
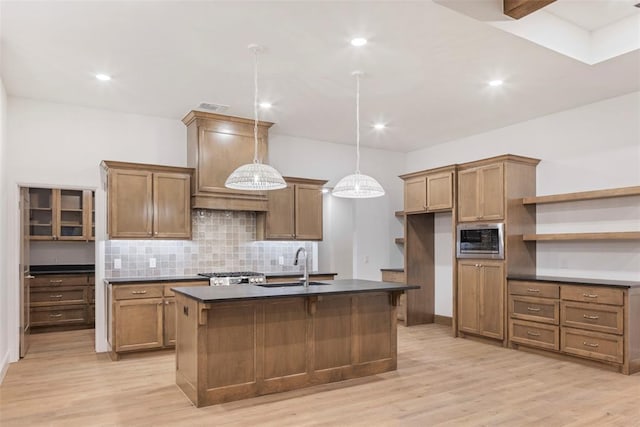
(358, 41)
(103, 77)
(379, 126)
(265, 105)
(495, 83)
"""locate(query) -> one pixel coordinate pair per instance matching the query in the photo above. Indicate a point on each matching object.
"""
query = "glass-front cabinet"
(61, 214)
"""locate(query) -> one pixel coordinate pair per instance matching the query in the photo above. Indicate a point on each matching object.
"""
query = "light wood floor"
(440, 381)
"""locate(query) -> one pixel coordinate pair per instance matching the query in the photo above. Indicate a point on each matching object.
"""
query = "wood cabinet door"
(415, 194)
(468, 296)
(468, 196)
(171, 205)
(308, 212)
(440, 191)
(70, 214)
(169, 320)
(280, 216)
(235, 150)
(492, 192)
(491, 299)
(89, 215)
(43, 218)
(138, 324)
(130, 203)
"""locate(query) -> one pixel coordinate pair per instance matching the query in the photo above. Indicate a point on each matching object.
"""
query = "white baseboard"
(4, 366)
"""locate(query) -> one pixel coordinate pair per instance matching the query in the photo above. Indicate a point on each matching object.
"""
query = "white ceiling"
(426, 65)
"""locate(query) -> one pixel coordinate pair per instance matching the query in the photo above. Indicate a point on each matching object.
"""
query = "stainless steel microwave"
(480, 241)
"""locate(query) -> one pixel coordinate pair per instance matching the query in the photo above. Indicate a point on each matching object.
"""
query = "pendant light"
(255, 176)
(357, 185)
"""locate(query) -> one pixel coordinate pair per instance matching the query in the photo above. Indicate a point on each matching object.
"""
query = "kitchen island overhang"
(237, 342)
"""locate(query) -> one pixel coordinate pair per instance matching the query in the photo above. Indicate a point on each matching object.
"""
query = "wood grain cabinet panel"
(138, 324)
(294, 213)
(596, 294)
(285, 338)
(61, 214)
(332, 332)
(595, 317)
(440, 192)
(542, 310)
(593, 345)
(534, 334)
(415, 194)
(481, 193)
(428, 191)
(481, 298)
(148, 201)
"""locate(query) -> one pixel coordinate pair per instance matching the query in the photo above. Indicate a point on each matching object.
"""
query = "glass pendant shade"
(358, 186)
(255, 176)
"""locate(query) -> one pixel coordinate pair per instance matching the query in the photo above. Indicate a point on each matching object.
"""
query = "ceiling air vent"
(215, 108)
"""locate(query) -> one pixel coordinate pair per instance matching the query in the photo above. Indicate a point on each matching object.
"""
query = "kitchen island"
(236, 342)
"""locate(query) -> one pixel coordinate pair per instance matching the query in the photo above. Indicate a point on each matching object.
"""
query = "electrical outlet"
(280, 260)
(117, 264)
(152, 262)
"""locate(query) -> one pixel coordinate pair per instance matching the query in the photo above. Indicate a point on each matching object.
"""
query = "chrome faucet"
(306, 264)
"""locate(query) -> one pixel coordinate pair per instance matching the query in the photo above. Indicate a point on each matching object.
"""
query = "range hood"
(216, 145)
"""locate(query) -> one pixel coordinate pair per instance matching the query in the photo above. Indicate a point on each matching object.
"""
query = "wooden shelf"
(400, 240)
(399, 213)
(622, 235)
(584, 195)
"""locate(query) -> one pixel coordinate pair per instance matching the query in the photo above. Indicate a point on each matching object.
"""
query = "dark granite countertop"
(140, 280)
(212, 294)
(62, 269)
(297, 273)
(398, 270)
(581, 281)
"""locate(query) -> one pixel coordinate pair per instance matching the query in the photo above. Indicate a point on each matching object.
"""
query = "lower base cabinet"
(142, 316)
(481, 298)
(596, 323)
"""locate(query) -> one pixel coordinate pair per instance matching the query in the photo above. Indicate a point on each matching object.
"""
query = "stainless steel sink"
(283, 285)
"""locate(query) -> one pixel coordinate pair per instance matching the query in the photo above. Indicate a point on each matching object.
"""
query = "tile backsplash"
(222, 241)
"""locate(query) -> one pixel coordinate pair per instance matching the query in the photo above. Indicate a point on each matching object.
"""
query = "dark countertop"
(398, 270)
(212, 294)
(594, 282)
(297, 274)
(62, 269)
(140, 280)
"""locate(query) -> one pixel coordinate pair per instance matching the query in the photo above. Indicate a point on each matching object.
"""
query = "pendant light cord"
(255, 106)
(357, 124)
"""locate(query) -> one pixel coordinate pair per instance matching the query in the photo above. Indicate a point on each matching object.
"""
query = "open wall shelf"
(621, 235)
(584, 195)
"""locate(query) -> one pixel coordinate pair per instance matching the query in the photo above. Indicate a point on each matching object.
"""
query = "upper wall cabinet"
(61, 214)
(295, 212)
(216, 146)
(481, 193)
(148, 201)
(429, 191)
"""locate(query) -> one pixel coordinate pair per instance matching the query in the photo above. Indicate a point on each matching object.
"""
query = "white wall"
(595, 146)
(4, 276)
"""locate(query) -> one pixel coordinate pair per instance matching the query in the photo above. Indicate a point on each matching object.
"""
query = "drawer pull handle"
(533, 334)
(56, 315)
(138, 292)
(533, 290)
(55, 296)
(588, 344)
(590, 295)
(55, 282)
(586, 316)
(534, 309)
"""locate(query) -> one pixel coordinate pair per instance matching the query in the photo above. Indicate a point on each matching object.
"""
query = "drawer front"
(169, 293)
(46, 296)
(534, 289)
(593, 345)
(535, 309)
(594, 317)
(534, 334)
(137, 291)
(393, 276)
(61, 280)
(597, 294)
(63, 315)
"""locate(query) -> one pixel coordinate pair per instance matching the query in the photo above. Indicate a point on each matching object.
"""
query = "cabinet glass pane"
(40, 211)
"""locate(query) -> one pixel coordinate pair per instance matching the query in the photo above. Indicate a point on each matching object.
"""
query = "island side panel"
(332, 338)
(374, 333)
(187, 346)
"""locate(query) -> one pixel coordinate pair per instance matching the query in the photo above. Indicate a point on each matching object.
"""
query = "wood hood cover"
(216, 146)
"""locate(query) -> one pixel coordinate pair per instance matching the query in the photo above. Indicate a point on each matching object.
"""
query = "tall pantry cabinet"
(491, 191)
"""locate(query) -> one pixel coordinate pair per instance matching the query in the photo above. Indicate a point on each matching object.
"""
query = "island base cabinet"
(235, 350)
